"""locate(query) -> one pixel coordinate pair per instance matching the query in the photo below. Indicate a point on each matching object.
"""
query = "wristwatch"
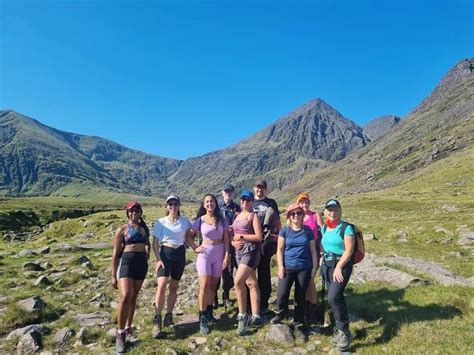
(241, 237)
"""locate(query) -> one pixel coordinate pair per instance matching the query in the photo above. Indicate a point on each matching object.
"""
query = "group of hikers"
(236, 243)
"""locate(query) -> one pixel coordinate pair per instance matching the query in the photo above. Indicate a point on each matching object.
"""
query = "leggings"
(301, 280)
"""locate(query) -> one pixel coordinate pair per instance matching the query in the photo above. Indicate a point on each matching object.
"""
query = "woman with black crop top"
(129, 268)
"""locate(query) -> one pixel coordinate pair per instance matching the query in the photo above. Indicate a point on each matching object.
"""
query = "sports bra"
(243, 226)
(134, 236)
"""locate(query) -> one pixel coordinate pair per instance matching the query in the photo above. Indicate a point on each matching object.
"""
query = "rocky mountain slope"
(442, 125)
(311, 137)
(37, 160)
(380, 126)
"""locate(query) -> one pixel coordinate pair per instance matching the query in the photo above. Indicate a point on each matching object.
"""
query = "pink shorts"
(210, 262)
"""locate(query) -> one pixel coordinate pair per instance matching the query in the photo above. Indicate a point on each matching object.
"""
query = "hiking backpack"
(359, 246)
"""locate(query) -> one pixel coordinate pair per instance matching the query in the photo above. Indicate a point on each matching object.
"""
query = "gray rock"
(100, 297)
(32, 304)
(200, 341)
(64, 247)
(42, 281)
(369, 236)
(91, 319)
(43, 250)
(39, 328)
(80, 337)
(32, 266)
(95, 246)
(402, 236)
(3, 298)
(170, 351)
(467, 238)
(87, 224)
(26, 253)
(62, 336)
(82, 260)
(443, 230)
(296, 351)
(280, 333)
(29, 343)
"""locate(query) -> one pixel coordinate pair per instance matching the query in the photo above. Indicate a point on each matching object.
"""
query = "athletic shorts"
(174, 261)
(210, 262)
(249, 255)
(133, 265)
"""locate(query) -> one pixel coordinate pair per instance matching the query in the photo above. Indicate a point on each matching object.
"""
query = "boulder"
(96, 246)
(91, 319)
(26, 253)
(62, 336)
(280, 333)
(32, 266)
(29, 343)
(32, 304)
(39, 328)
(466, 238)
(82, 260)
(42, 281)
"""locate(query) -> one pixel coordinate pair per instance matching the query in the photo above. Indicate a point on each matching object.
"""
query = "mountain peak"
(380, 126)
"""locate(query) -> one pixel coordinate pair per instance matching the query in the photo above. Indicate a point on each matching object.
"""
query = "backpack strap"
(343, 229)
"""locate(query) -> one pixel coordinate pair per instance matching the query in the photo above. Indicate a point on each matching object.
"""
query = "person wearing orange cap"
(131, 249)
(297, 262)
(314, 221)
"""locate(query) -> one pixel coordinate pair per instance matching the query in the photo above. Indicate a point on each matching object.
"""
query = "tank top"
(134, 236)
(243, 226)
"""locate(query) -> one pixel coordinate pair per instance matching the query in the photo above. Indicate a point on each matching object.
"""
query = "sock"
(241, 315)
(209, 309)
(256, 315)
(120, 331)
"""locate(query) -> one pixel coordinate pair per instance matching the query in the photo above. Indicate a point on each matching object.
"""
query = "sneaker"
(256, 322)
(129, 334)
(277, 318)
(344, 341)
(120, 343)
(157, 328)
(300, 333)
(203, 325)
(168, 321)
(265, 312)
(242, 323)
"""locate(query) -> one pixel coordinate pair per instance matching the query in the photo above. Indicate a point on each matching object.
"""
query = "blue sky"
(182, 78)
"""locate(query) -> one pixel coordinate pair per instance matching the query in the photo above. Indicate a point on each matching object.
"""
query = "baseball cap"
(228, 187)
(248, 194)
(131, 204)
(172, 197)
(260, 183)
(332, 203)
(302, 196)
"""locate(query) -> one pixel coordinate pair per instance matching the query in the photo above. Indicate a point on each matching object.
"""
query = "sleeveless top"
(243, 226)
(134, 236)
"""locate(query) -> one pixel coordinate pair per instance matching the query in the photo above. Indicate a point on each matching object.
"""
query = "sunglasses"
(296, 214)
(246, 199)
(173, 204)
(135, 210)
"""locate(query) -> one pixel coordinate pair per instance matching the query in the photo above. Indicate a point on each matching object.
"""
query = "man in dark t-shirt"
(267, 211)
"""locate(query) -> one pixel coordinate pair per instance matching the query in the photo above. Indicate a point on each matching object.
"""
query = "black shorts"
(249, 255)
(174, 261)
(133, 265)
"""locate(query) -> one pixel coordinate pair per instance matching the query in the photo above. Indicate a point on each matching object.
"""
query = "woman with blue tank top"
(297, 263)
(338, 244)
(131, 249)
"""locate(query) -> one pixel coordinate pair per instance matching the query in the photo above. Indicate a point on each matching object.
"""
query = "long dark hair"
(216, 213)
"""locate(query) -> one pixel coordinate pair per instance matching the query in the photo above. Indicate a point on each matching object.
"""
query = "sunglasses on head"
(296, 214)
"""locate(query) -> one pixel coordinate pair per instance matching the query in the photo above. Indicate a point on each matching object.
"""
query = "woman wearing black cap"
(169, 236)
(129, 268)
(338, 243)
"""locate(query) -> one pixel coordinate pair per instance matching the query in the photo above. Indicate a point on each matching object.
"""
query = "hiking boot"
(278, 318)
(157, 328)
(129, 334)
(120, 343)
(344, 340)
(242, 323)
(300, 332)
(168, 321)
(210, 315)
(256, 321)
(204, 325)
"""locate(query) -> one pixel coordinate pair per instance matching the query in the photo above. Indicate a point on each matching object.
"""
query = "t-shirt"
(171, 233)
(209, 231)
(260, 207)
(229, 210)
(332, 241)
(297, 254)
